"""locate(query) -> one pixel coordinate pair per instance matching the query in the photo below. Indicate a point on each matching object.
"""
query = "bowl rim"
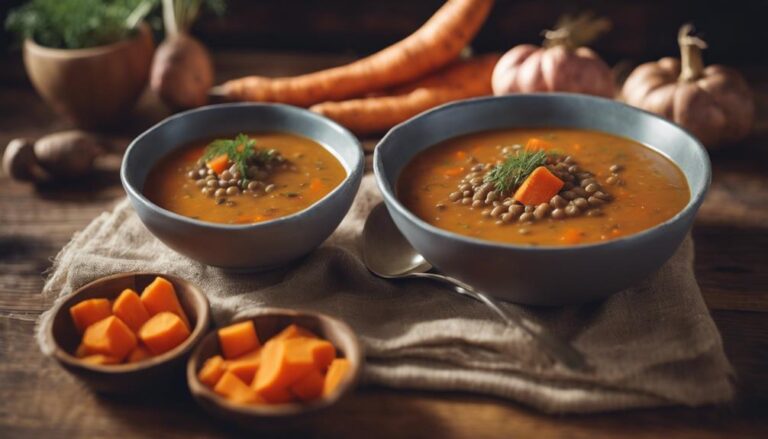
(201, 391)
(356, 168)
(197, 333)
(392, 200)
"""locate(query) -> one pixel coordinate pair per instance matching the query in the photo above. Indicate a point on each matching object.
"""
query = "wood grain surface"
(39, 399)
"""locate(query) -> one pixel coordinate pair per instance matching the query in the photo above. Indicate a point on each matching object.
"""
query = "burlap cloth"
(651, 345)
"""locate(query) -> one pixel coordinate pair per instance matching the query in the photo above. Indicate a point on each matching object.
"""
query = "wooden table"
(38, 399)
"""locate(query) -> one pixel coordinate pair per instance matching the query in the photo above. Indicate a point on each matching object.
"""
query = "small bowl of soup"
(243, 186)
(543, 199)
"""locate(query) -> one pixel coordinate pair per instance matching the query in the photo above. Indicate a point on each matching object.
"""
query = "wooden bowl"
(95, 86)
(268, 322)
(152, 375)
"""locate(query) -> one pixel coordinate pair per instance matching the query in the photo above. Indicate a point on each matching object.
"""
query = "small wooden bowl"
(152, 375)
(268, 322)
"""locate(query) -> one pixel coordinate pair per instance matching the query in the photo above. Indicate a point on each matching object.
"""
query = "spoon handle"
(558, 349)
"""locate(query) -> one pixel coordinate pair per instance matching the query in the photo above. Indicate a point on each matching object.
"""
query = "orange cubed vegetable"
(212, 371)
(571, 236)
(323, 352)
(232, 388)
(293, 331)
(282, 364)
(539, 187)
(129, 308)
(316, 185)
(219, 164)
(100, 359)
(245, 366)
(139, 353)
(163, 332)
(453, 172)
(160, 296)
(336, 373)
(238, 339)
(110, 337)
(310, 386)
(81, 351)
(90, 311)
(535, 144)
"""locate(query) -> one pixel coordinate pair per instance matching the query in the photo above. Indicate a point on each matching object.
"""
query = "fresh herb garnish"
(240, 151)
(515, 169)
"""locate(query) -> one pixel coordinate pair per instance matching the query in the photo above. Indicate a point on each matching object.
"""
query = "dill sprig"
(515, 169)
(240, 151)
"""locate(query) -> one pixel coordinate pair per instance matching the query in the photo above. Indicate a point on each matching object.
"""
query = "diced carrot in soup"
(539, 187)
(218, 164)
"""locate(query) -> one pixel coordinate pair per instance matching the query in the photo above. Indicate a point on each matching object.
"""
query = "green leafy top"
(240, 151)
(77, 24)
(515, 169)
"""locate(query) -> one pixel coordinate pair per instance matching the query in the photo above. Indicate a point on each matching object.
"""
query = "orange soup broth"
(317, 172)
(653, 189)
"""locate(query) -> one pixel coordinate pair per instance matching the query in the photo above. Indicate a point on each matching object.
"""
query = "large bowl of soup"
(243, 186)
(543, 199)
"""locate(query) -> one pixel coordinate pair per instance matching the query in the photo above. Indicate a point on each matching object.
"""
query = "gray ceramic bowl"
(545, 275)
(249, 246)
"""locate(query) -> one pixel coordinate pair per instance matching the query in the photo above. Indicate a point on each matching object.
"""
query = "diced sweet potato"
(245, 366)
(129, 308)
(100, 359)
(90, 311)
(238, 339)
(293, 331)
(281, 366)
(310, 386)
(212, 371)
(160, 296)
(336, 373)
(163, 332)
(110, 337)
(139, 353)
(232, 388)
(322, 352)
(81, 351)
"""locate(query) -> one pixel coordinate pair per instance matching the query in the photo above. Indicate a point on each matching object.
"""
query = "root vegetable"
(563, 64)
(19, 161)
(437, 43)
(182, 70)
(714, 103)
(68, 154)
(461, 80)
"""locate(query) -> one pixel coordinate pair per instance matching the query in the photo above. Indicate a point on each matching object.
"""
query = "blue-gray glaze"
(543, 275)
(248, 246)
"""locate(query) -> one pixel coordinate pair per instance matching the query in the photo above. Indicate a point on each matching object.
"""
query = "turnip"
(182, 70)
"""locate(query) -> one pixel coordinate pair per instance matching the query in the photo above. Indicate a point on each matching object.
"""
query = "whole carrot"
(461, 80)
(438, 42)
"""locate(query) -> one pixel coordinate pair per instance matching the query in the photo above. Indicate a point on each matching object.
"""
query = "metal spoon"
(388, 254)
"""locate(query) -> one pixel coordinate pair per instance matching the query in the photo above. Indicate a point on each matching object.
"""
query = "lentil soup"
(543, 186)
(243, 180)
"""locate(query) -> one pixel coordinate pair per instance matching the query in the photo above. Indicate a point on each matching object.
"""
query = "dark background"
(642, 30)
